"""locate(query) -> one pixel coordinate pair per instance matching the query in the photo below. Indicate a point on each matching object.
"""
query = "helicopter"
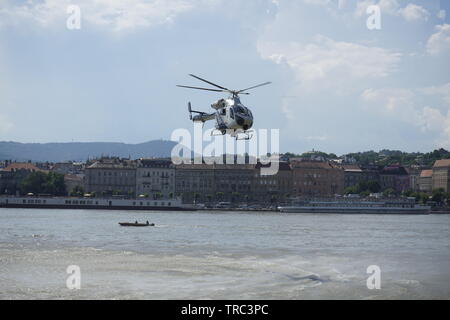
(231, 115)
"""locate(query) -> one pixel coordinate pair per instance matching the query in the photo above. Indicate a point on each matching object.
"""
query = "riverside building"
(441, 175)
(155, 178)
(111, 176)
(316, 178)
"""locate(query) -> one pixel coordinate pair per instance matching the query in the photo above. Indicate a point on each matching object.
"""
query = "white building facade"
(155, 178)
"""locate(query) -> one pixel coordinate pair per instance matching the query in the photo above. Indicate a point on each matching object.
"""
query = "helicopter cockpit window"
(223, 111)
(240, 110)
(231, 113)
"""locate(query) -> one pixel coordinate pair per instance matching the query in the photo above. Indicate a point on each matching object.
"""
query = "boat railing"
(401, 203)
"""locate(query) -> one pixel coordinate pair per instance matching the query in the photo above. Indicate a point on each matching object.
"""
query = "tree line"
(383, 157)
(365, 188)
(51, 183)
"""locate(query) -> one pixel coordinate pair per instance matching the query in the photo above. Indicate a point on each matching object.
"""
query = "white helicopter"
(231, 115)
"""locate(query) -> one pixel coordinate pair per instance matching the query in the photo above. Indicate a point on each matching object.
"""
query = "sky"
(338, 84)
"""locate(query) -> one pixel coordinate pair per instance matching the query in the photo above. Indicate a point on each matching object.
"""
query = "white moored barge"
(357, 207)
(92, 203)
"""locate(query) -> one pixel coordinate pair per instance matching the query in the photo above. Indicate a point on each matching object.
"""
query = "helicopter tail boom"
(202, 116)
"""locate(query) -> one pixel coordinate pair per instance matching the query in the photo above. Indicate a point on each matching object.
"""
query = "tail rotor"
(190, 110)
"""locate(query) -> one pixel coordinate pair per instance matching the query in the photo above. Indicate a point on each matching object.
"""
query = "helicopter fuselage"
(232, 114)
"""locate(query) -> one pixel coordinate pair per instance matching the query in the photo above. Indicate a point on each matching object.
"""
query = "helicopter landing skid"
(238, 135)
(217, 132)
(246, 135)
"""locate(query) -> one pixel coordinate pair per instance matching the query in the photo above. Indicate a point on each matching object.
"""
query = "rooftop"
(155, 163)
(351, 168)
(442, 163)
(394, 169)
(113, 164)
(426, 173)
(73, 177)
(282, 165)
(22, 166)
(215, 166)
(313, 164)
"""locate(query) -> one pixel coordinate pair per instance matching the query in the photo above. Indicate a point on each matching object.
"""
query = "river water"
(222, 255)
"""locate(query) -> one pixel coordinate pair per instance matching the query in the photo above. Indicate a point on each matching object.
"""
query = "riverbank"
(144, 204)
(440, 210)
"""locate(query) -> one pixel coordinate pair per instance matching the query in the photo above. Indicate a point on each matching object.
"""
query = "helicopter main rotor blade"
(259, 85)
(217, 90)
(213, 84)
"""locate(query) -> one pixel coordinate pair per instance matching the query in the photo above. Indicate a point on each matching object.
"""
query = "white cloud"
(361, 7)
(389, 6)
(439, 42)
(413, 12)
(433, 120)
(402, 104)
(386, 6)
(389, 100)
(125, 15)
(116, 15)
(443, 91)
(325, 75)
(42, 13)
(5, 125)
(442, 14)
(326, 61)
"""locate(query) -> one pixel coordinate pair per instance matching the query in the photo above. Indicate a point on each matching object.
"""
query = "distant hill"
(81, 151)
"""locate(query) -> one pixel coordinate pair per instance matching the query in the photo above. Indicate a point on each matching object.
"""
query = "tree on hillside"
(325, 155)
(388, 157)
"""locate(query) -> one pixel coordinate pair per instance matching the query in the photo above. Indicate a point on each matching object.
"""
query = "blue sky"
(337, 86)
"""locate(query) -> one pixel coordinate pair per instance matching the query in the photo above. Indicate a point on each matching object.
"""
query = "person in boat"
(136, 222)
(147, 222)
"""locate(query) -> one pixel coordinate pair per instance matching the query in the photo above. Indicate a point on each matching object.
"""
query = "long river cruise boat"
(91, 203)
(359, 206)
